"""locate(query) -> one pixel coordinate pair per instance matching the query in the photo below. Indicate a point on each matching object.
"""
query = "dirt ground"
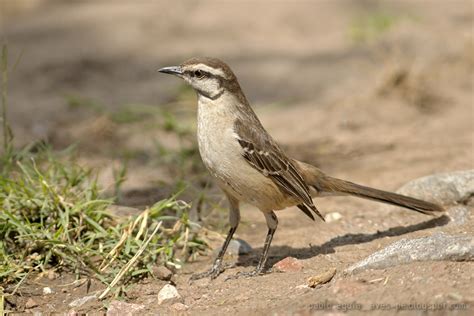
(378, 93)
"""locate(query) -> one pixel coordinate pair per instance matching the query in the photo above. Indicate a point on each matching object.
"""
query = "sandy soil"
(380, 112)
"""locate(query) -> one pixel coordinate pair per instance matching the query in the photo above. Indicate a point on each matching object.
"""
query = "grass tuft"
(53, 217)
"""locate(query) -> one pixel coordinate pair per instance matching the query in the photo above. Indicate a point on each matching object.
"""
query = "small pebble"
(47, 290)
(52, 275)
(169, 295)
(162, 273)
(289, 264)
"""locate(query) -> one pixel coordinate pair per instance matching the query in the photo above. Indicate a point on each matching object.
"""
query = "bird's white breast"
(222, 155)
(218, 146)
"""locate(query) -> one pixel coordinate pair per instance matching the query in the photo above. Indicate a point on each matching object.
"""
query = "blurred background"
(375, 92)
(335, 82)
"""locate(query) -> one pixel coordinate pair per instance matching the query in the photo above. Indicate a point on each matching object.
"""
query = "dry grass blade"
(143, 226)
(2, 301)
(115, 251)
(143, 217)
(130, 264)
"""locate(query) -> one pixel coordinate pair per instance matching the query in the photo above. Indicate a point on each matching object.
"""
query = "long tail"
(328, 185)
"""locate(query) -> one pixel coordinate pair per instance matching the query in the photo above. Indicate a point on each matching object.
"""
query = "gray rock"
(169, 295)
(459, 215)
(119, 308)
(432, 248)
(443, 188)
(236, 247)
(83, 300)
(239, 247)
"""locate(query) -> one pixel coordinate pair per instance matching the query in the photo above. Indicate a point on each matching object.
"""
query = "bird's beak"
(172, 70)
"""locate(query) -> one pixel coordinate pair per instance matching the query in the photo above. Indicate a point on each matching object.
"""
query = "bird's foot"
(213, 273)
(245, 274)
(216, 269)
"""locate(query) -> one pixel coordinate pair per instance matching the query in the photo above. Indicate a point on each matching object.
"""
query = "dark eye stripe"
(192, 73)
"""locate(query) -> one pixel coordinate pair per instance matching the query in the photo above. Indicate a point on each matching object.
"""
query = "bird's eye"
(199, 74)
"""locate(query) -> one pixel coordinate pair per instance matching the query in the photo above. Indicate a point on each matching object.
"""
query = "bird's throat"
(210, 96)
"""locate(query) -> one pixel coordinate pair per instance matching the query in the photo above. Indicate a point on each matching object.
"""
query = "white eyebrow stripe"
(213, 71)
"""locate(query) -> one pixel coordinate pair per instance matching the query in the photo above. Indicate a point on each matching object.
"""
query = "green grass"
(371, 26)
(53, 217)
(77, 102)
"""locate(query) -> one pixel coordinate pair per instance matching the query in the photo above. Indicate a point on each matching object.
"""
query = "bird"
(250, 167)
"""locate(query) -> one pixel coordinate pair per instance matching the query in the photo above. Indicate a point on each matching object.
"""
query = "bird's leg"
(217, 268)
(272, 223)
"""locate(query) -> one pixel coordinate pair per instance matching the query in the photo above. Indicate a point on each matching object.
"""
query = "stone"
(236, 247)
(239, 247)
(332, 217)
(437, 247)
(289, 264)
(119, 308)
(52, 275)
(82, 300)
(321, 278)
(31, 303)
(169, 295)
(47, 291)
(162, 273)
(459, 215)
(443, 188)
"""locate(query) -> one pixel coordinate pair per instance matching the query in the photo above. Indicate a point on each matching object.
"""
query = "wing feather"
(266, 157)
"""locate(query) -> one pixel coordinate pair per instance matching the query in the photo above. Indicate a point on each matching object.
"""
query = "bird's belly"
(222, 155)
(248, 185)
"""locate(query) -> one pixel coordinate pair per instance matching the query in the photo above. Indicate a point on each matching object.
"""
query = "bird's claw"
(213, 272)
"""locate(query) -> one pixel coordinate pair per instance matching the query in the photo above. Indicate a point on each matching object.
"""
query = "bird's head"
(210, 77)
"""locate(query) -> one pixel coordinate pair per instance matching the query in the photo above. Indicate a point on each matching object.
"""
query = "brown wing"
(265, 156)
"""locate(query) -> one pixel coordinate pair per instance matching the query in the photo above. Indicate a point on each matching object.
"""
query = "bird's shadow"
(280, 252)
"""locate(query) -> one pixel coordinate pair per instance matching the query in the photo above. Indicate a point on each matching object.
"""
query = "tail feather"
(328, 185)
(346, 187)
